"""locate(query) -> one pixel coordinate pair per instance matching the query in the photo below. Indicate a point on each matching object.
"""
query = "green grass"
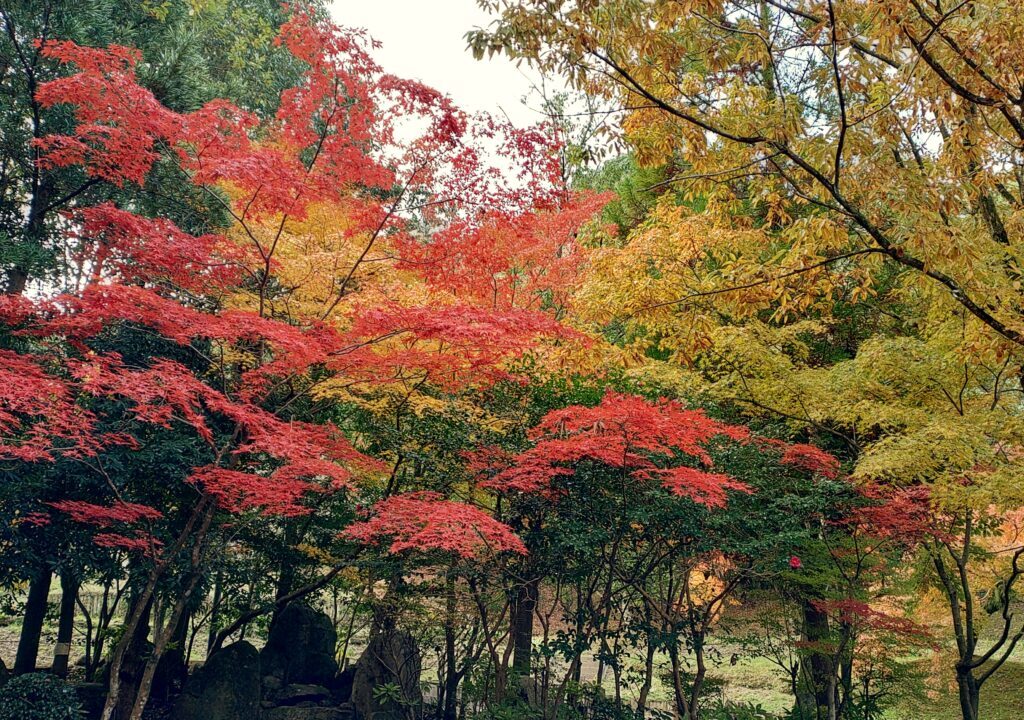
(755, 680)
(1002, 698)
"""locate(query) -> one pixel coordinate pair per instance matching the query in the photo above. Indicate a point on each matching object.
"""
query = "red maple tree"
(426, 522)
(650, 441)
(333, 140)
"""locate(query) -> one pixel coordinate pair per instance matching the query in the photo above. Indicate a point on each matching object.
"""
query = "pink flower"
(795, 562)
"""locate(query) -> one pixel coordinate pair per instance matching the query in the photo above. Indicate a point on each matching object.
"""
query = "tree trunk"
(124, 700)
(32, 626)
(501, 667)
(161, 637)
(451, 674)
(645, 689)
(287, 572)
(969, 690)
(678, 690)
(95, 636)
(698, 678)
(522, 626)
(66, 624)
(844, 689)
(126, 670)
(819, 665)
(451, 690)
(214, 615)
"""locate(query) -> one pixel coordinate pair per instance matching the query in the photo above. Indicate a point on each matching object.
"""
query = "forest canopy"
(324, 397)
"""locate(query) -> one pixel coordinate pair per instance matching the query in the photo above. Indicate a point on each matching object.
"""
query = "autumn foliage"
(377, 342)
(426, 522)
(241, 343)
(643, 439)
(330, 143)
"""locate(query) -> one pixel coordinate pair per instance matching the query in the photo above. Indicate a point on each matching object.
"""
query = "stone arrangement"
(295, 677)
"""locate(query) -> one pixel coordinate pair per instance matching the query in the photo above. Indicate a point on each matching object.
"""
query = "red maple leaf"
(425, 522)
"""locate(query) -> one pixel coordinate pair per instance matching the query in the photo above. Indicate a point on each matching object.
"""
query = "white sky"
(423, 40)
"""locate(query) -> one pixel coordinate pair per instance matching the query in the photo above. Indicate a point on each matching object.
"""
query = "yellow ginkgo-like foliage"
(839, 244)
(839, 239)
(324, 264)
(859, 130)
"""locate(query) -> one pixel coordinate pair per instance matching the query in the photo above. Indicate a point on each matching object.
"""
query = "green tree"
(193, 50)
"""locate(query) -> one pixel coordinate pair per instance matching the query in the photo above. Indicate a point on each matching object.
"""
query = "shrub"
(39, 696)
(737, 711)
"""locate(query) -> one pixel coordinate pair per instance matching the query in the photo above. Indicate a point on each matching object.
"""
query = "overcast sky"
(423, 40)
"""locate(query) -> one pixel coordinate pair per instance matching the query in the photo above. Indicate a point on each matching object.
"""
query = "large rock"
(529, 691)
(305, 695)
(392, 658)
(341, 688)
(300, 647)
(307, 713)
(227, 687)
(92, 696)
(170, 676)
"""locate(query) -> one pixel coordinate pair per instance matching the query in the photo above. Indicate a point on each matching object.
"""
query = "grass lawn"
(1002, 698)
(756, 680)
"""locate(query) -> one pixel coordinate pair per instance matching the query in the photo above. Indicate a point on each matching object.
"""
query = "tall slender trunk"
(821, 672)
(678, 689)
(69, 585)
(451, 678)
(645, 689)
(215, 613)
(120, 694)
(35, 220)
(95, 632)
(799, 699)
(172, 666)
(553, 711)
(501, 673)
(121, 689)
(968, 691)
(32, 624)
(617, 679)
(162, 636)
(129, 659)
(522, 626)
(844, 680)
(451, 675)
(698, 677)
(287, 571)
